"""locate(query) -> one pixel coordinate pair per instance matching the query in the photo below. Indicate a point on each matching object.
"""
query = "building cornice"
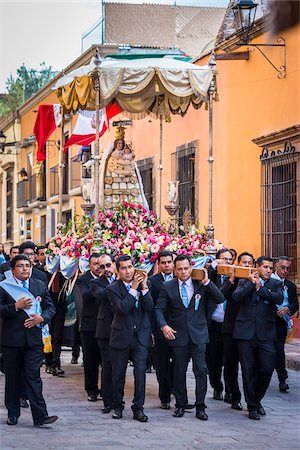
(277, 137)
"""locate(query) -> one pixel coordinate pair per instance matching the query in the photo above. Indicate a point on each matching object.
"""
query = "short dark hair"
(182, 258)
(245, 254)
(12, 248)
(233, 252)
(121, 259)
(260, 260)
(41, 247)
(223, 250)
(28, 244)
(283, 258)
(19, 258)
(94, 255)
(164, 254)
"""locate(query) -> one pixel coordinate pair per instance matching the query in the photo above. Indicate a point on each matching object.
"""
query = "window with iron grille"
(146, 170)
(183, 170)
(280, 206)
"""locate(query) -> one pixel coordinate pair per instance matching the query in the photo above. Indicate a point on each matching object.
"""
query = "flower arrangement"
(129, 230)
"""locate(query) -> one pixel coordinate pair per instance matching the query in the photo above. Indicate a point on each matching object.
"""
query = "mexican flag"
(48, 119)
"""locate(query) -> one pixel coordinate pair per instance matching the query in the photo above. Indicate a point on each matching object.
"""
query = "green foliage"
(21, 88)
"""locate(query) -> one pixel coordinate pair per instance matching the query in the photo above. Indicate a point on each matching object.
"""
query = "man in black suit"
(14, 251)
(21, 340)
(185, 326)
(130, 335)
(255, 330)
(28, 248)
(103, 327)
(216, 313)
(161, 348)
(289, 307)
(91, 352)
(231, 353)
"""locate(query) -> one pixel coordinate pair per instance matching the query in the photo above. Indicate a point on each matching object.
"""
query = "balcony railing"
(37, 183)
(76, 168)
(23, 194)
(54, 180)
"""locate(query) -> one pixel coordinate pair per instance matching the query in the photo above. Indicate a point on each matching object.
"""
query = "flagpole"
(60, 172)
(97, 61)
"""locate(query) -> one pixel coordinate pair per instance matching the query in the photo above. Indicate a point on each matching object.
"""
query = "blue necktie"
(24, 284)
(184, 295)
(128, 287)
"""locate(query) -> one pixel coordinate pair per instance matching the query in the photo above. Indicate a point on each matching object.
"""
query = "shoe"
(237, 406)
(92, 398)
(227, 397)
(283, 386)
(179, 412)
(201, 415)
(106, 409)
(12, 420)
(261, 410)
(57, 372)
(139, 415)
(189, 406)
(49, 370)
(253, 415)
(47, 421)
(149, 370)
(74, 360)
(24, 403)
(117, 414)
(165, 405)
(218, 395)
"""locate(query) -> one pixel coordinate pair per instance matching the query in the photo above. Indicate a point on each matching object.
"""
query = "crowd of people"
(165, 319)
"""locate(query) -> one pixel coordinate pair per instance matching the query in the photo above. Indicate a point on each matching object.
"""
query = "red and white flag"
(85, 129)
(48, 118)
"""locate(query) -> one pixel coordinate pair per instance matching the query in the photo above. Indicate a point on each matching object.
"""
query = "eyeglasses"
(26, 266)
(103, 266)
(28, 254)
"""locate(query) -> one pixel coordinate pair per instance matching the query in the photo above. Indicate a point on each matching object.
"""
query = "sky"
(36, 31)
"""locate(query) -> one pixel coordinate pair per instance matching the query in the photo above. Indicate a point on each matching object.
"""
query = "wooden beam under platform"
(233, 56)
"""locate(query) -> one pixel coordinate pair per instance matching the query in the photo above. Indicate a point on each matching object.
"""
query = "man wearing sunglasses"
(25, 306)
(89, 311)
(103, 327)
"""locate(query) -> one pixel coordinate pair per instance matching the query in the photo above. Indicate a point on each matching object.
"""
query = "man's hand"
(283, 311)
(23, 303)
(205, 279)
(144, 284)
(33, 321)
(231, 274)
(254, 278)
(169, 333)
(137, 279)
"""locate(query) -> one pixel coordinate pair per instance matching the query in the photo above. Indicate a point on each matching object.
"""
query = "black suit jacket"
(4, 267)
(38, 274)
(105, 311)
(293, 300)
(187, 322)
(13, 333)
(232, 307)
(155, 284)
(127, 318)
(89, 308)
(257, 311)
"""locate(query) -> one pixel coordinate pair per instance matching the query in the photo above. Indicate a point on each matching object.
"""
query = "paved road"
(82, 425)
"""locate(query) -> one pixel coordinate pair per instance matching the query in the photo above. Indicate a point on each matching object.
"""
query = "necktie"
(128, 287)
(111, 279)
(168, 277)
(24, 284)
(184, 295)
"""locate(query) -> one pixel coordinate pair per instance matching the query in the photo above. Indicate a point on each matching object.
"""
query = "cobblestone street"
(82, 425)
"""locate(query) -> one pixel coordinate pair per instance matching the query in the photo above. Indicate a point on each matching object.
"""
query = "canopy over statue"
(120, 179)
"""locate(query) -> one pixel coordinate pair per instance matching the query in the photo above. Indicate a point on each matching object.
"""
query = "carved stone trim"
(275, 138)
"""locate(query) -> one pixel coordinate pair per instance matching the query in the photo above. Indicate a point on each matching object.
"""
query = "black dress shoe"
(261, 410)
(49, 370)
(217, 395)
(47, 421)
(253, 415)
(189, 406)
(12, 420)
(92, 398)
(201, 415)
(140, 416)
(165, 405)
(237, 406)
(74, 360)
(24, 403)
(227, 398)
(106, 409)
(283, 386)
(179, 412)
(57, 372)
(117, 414)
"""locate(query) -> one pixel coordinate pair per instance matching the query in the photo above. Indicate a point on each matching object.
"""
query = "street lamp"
(244, 12)
(2, 140)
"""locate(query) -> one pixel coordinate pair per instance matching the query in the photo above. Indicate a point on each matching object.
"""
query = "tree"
(27, 83)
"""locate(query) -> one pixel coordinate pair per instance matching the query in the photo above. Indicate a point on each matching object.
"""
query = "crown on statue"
(120, 132)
